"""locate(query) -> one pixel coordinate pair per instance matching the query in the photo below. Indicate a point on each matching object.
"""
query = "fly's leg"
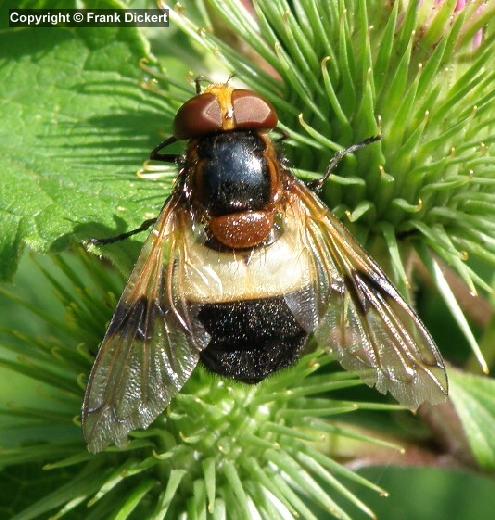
(155, 156)
(164, 157)
(123, 236)
(337, 159)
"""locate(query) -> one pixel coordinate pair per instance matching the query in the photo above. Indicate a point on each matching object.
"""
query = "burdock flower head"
(415, 73)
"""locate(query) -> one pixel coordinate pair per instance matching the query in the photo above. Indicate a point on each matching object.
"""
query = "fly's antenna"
(199, 79)
(337, 159)
(231, 75)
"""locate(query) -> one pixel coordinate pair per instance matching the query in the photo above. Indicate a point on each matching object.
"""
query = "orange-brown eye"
(198, 116)
(252, 111)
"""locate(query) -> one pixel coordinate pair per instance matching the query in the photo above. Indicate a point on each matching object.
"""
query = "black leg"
(164, 157)
(337, 158)
(123, 236)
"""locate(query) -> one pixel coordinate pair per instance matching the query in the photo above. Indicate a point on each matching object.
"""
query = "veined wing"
(151, 345)
(364, 321)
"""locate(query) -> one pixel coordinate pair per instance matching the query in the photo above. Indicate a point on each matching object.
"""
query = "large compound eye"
(252, 111)
(199, 116)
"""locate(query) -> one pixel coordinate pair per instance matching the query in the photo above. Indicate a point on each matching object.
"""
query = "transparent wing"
(152, 343)
(363, 319)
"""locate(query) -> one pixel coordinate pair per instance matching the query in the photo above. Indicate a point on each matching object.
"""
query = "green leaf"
(474, 400)
(76, 125)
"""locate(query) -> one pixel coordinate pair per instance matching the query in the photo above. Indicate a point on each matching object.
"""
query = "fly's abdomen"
(251, 339)
(257, 307)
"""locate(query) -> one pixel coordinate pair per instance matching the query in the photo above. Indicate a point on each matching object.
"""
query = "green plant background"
(79, 115)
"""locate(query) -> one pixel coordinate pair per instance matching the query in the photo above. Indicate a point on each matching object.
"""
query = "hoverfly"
(243, 264)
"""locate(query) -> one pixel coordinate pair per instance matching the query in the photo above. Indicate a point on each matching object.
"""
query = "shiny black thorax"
(234, 172)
